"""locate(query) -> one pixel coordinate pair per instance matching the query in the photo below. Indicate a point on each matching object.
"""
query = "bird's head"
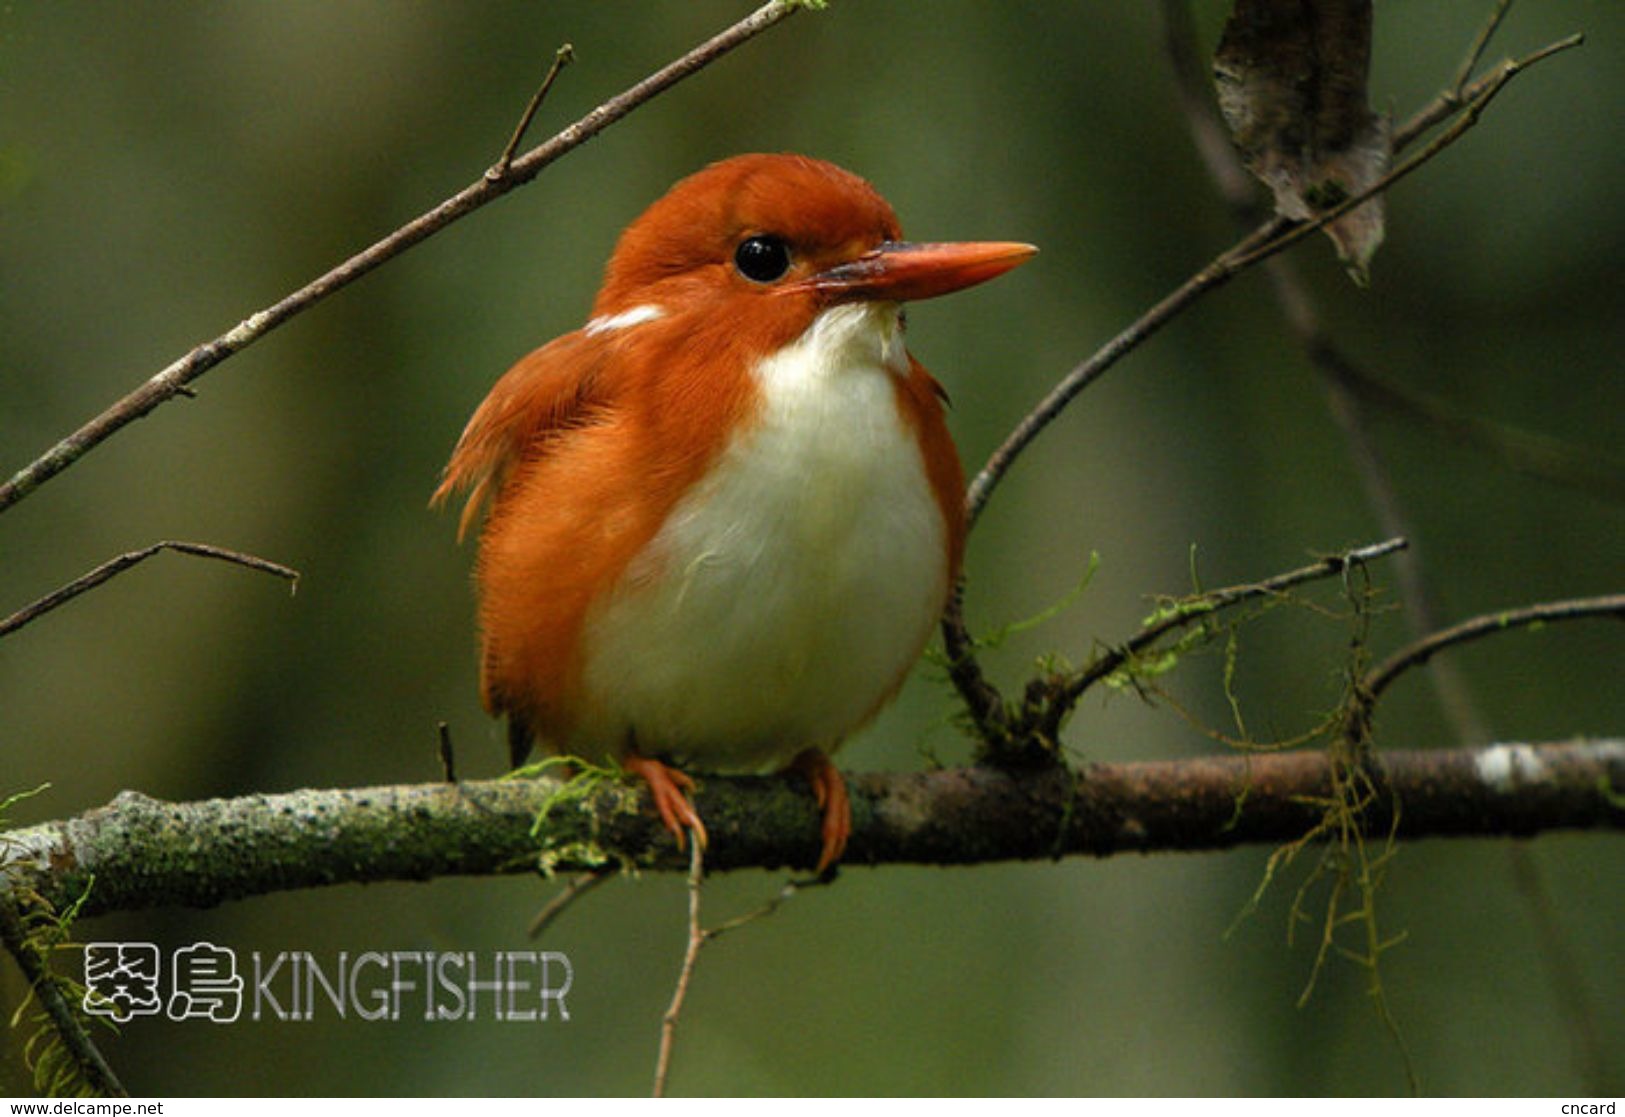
(729, 269)
(781, 237)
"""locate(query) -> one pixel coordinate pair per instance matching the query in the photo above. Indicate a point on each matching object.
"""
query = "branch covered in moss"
(140, 852)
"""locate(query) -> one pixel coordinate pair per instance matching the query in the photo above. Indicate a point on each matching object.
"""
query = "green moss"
(34, 933)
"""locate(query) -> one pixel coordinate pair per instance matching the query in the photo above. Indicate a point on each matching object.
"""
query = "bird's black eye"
(762, 258)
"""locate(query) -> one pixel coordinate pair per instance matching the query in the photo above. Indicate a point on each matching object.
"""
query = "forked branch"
(1270, 238)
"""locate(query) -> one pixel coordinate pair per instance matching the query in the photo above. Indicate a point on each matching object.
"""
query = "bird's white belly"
(790, 591)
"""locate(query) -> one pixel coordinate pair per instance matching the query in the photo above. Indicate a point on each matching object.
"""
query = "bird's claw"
(669, 788)
(829, 790)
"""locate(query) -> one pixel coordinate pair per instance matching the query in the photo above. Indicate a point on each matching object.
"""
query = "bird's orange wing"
(548, 391)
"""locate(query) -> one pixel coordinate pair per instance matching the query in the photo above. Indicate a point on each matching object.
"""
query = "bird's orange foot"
(669, 786)
(829, 788)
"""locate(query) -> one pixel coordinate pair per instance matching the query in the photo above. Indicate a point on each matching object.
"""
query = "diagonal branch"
(175, 379)
(1215, 274)
(119, 564)
(1271, 237)
(1415, 654)
(1265, 242)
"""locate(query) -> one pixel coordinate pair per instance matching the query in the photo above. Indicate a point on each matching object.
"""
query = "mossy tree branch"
(139, 852)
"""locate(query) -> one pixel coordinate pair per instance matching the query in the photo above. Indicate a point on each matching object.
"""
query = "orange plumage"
(723, 516)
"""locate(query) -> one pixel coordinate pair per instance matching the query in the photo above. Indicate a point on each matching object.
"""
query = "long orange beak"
(898, 271)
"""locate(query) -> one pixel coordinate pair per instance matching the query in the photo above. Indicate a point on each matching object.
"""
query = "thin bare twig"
(175, 379)
(561, 58)
(448, 757)
(1480, 43)
(782, 897)
(697, 937)
(115, 566)
(573, 890)
(1419, 652)
(1215, 274)
(691, 954)
(1450, 101)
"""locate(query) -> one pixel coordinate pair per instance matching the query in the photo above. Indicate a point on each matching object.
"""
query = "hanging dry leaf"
(1291, 78)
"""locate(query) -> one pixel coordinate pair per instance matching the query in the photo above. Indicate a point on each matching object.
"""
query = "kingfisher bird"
(722, 517)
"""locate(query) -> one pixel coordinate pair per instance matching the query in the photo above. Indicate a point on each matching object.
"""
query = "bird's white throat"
(792, 588)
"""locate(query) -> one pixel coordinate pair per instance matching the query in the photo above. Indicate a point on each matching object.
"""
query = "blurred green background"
(165, 169)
